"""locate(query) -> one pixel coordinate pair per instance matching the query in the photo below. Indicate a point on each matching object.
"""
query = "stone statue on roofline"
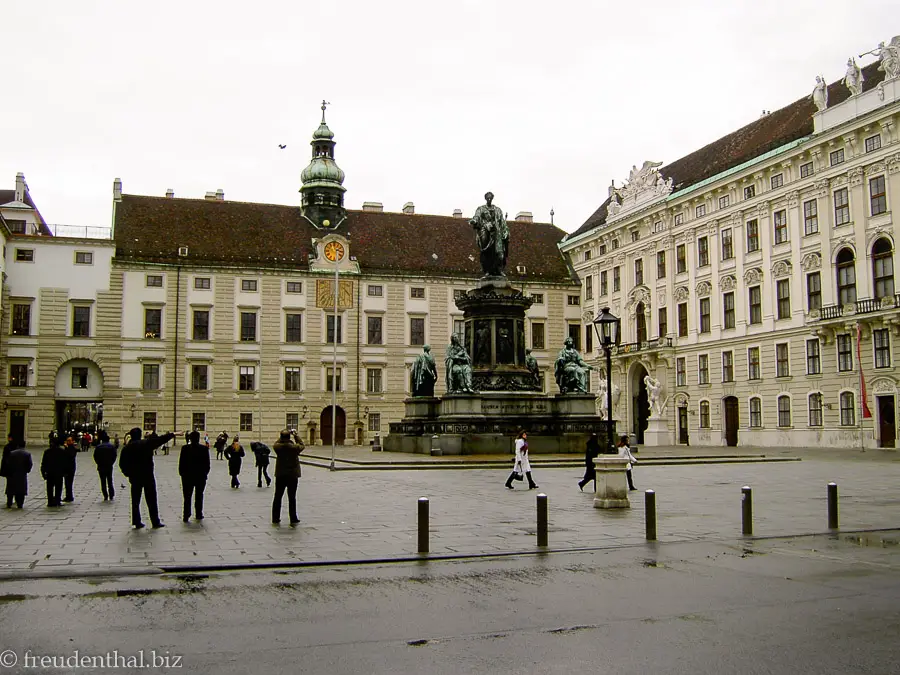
(889, 55)
(491, 237)
(853, 79)
(820, 94)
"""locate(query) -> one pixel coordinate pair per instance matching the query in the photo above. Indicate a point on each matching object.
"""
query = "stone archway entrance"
(79, 396)
(340, 426)
(640, 403)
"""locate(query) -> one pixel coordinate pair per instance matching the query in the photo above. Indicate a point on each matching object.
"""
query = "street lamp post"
(607, 328)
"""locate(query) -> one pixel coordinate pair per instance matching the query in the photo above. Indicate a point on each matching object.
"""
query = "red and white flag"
(862, 378)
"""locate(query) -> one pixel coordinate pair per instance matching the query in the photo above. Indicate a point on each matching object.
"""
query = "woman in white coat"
(522, 465)
(625, 453)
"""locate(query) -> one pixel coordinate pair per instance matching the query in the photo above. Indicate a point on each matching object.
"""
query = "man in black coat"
(221, 440)
(591, 451)
(193, 467)
(136, 462)
(18, 465)
(287, 472)
(105, 458)
(70, 453)
(262, 452)
(52, 470)
(234, 453)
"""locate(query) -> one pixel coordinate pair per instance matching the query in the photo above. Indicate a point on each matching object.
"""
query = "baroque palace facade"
(211, 314)
(755, 277)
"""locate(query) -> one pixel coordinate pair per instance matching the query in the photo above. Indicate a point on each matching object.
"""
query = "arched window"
(755, 412)
(815, 409)
(784, 411)
(883, 268)
(704, 414)
(848, 409)
(641, 321)
(846, 276)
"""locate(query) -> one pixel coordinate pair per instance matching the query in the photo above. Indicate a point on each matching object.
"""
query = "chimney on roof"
(409, 207)
(376, 207)
(117, 190)
(220, 195)
(170, 194)
(457, 213)
(524, 217)
(21, 187)
(210, 196)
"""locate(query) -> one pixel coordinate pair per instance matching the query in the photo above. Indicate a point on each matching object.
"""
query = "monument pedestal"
(612, 483)
(656, 433)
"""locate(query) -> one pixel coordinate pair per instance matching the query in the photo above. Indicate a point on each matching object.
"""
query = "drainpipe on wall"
(175, 377)
(358, 340)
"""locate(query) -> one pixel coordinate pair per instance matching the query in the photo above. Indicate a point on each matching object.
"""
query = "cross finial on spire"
(324, 103)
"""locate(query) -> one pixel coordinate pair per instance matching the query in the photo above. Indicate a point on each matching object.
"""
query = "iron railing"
(866, 306)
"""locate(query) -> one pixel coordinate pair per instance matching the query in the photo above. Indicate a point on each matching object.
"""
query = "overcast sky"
(435, 103)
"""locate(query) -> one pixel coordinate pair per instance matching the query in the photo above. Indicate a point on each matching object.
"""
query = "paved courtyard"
(368, 515)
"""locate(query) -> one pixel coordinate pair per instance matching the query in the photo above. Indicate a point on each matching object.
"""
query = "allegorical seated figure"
(459, 368)
(423, 373)
(571, 370)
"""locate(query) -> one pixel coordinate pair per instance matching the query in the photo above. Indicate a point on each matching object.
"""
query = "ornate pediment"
(644, 185)
(811, 261)
(682, 294)
(753, 276)
(781, 269)
(728, 283)
(703, 289)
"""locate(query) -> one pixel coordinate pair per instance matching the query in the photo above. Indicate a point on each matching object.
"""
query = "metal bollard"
(650, 514)
(542, 519)
(832, 506)
(746, 511)
(423, 524)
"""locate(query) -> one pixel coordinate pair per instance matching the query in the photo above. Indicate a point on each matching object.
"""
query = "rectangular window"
(574, 300)
(783, 291)
(199, 377)
(776, 181)
(293, 287)
(152, 324)
(845, 352)
(663, 322)
(374, 335)
(84, 258)
(727, 366)
(638, 272)
(80, 378)
(149, 421)
(841, 207)
(728, 309)
(702, 252)
(293, 379)
(782, 362)
(679, 218)
(249, 285)
(750, 192)
(603, 285)
(373, 380)
(601, 249)
(617, 280)
(635, 236)
(806, 170)
(836, 157)
(246, 378)
(293, 327)
(661, 265)
(700, 211)
(459, 329)
(537, 298)
(201, 325)
(877, 196)
(815, 409)
(248, 326)
(81, 321)
(813, 291)
(724, 201)
(682, 319)
(781, 226)
(417, 331)
(24, 255)
(21, 321)
(330, 330)
(417, 292)
(703, 369)
(588, 338)
(882, 340)
(537, 336)
(589, 287)
(755, 413)
(575, 334)
(848, 409)
(202, 283)
(291, 420)
(587, 255)
(150, 377)
(154, 280)
(16, 226)
(375, 291)
(18, 375)
(813, 358)
(727, 244)
(198, 421)
(873, 143)
(753, 370)
(246, 422)
(680, 372)
(810, 217)
(704, 414)
(784, 411)
(704, 315)
(374, 422)
(333, 379)
(755, 293)
(680, 259)
(752, 235)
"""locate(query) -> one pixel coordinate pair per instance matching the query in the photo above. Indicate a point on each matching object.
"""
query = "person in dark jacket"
(11, 445)
(287, 473)
(136, 463)
(70, 452)
(221, 442)
(18, 466)
(193, 467)
(52, 470)
(262, 452)
(105, 457)
(591, 451)
(234, 454)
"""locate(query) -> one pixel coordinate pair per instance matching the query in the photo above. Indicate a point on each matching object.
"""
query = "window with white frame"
(750, 192)
(373, 381)
(806, 170)
(154, 280)
(784, 411)
(374, 330)
(755, 294)
(293, 327)
(753, 367)
(702, 251)
(877, 196)
(752, 235)
(783, 292)
(810, 217)
(703, 369)
(845, 352)
(727, 244)
(246, 422)
(841, 207)
(333, 379)
(199, 377)
(293, 378)
(848, 409)
(724, 201)
(813, 357)
(755, 412)
(417, 292)
(417, 331)
(246, 378)
(374, 422)
(728, 310)
(150, 377)
(84, 258)
(249, 285)
(700, 211)
(776, 181)
(815, 409)
(375, 290)
(836, 157)
(680, 372)
(779, 218)
(873, 143)
(293, 287)
(728, 366)
(704, 414)
(202, 283)
(782, 360)
(881, 338)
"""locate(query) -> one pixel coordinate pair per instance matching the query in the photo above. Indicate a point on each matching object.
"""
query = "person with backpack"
(262, 452)
(136, 463)
(234, 454)
(193, 467)
(105, 458)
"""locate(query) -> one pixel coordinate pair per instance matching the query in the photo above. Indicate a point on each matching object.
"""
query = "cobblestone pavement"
(365, 515)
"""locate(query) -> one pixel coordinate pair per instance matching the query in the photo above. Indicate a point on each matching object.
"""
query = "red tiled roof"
(222, 233)
(767, 133)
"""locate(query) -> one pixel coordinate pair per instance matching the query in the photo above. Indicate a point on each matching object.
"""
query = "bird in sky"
(282, 146)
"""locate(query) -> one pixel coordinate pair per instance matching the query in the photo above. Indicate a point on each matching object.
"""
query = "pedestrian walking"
(522, 465)
(86, 441)
(287, 474)
(262, 452)
(625, 453)
(18, 466)
(53, 468)
(136, 463)
(206, 440)
(234, 453)
(590, 453)
(221, 442)
(70, 453)
(105, 458)
(193, 467)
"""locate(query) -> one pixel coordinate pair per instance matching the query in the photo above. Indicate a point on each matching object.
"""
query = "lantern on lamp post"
(607, 328)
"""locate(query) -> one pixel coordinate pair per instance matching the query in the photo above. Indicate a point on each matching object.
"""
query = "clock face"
(334, 251)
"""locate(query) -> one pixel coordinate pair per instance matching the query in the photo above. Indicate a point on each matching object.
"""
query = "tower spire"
(323, 189)
(324, 103)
